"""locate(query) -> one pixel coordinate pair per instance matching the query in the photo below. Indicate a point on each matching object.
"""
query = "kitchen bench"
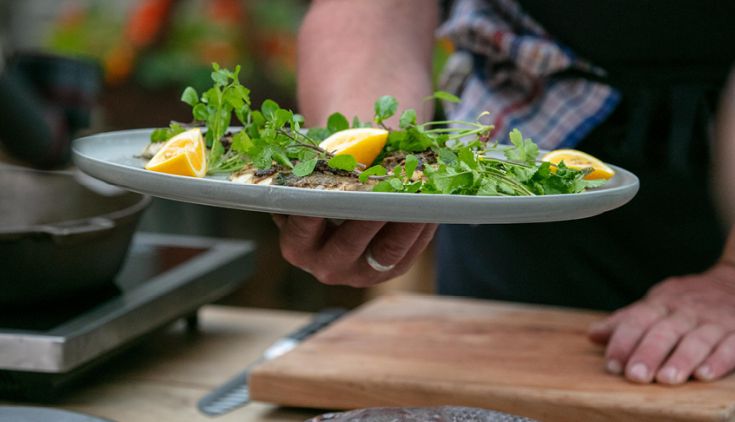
(162, 379)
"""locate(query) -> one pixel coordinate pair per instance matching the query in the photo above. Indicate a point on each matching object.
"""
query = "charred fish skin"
(316, 180)
(323, 178)
(323, 181)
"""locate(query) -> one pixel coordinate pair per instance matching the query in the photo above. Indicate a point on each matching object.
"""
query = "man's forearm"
(351, 52)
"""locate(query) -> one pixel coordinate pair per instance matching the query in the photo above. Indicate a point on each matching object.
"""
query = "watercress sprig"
(439, 157)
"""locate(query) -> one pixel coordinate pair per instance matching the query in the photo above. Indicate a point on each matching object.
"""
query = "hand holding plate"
(342, 254)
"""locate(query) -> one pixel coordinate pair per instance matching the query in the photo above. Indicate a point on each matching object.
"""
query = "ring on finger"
(377, 266)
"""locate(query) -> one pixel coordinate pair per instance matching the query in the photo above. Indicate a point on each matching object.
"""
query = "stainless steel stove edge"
(165, 298)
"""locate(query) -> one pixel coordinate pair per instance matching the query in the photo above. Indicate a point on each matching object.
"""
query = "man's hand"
(340, 254)
(685, 326)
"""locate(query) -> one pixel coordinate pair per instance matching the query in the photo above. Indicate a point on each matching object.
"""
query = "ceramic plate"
(112, 157)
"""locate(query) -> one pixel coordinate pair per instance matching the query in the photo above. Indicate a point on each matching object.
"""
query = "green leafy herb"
(385, 108)
(445, 96)
(523, 150)
(166, 133)
(343, 162)
(337, 122)
(436, 157)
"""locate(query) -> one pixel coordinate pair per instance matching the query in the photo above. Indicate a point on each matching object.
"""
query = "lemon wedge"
(184, 155)
(579, 160)
(364, 144)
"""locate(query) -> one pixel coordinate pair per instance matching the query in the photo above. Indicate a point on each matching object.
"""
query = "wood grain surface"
(527, 360)
(162, 379)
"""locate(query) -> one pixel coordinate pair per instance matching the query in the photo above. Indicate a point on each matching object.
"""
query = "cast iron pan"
(59, 239)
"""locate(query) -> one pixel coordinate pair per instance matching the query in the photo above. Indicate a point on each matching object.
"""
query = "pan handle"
(79, 227)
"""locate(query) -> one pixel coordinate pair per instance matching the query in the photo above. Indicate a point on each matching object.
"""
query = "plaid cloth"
(507, 64)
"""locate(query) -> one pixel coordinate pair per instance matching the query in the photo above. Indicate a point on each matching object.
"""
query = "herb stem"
(305, 145)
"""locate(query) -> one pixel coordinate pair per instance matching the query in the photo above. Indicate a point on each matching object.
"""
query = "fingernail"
(669, 375)
(639, 372)
(705, 373)
(614, 367)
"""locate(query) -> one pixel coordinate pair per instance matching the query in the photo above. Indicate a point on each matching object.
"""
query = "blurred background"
(135, 58)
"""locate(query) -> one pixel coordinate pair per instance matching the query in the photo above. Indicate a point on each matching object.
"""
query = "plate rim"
(89, 163)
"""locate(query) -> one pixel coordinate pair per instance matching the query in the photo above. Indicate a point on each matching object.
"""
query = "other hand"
(685, 326)
(354, 253)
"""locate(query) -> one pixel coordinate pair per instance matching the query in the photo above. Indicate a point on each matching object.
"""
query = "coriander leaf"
(305, 168)
(318, 133)
(164, 134)
(220, 76)
(467, 156)
(280, 156)
(383, 186)
(269, 108)
(242, 143)
(200, 112)
(412, 139)
(377, 170)
(345, 162)
(233, 98)
(159, 135)
(488, 187)
(408, 118)
(243, 114)
(523, 150)
(562, 180)
(395, 139)
(258, 119)
(190, 96)
(242, 92)
(450, 182)
(282, 116)
(356, 122)
(337, 122)
(262, 155)
(413, 187)
(445, 96)
(447, 156)
(385, 107)
(396, 184)
(410, 167)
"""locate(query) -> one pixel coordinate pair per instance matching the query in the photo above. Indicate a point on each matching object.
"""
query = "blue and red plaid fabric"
(516, 71)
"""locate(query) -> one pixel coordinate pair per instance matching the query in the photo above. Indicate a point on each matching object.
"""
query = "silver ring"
(377, 266)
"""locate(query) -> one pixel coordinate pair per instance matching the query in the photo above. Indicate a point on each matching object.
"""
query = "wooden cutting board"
(527, 360)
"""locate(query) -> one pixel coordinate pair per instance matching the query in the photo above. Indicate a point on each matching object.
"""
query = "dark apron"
(660, 132)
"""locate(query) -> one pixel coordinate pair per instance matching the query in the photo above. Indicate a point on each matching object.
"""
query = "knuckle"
(342, 243)
(664, 326)
(292, 255)
(333, 278)
(662, 334)
(727, 347)
(327, 278)
(618, 348)
(697, 340)
(706, 334)
(389, 252)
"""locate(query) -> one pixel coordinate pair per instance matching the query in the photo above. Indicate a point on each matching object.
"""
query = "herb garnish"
(464, 160)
